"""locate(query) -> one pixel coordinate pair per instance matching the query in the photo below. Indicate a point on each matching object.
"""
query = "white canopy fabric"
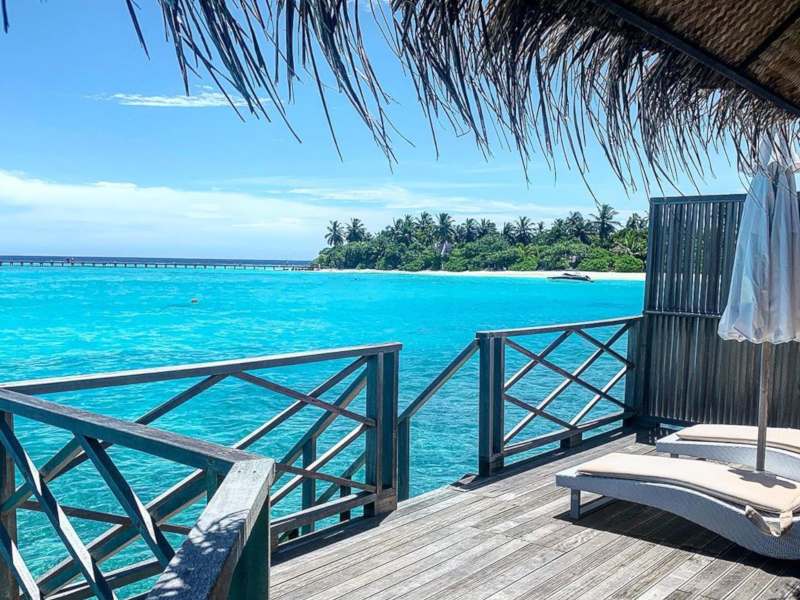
(764, 298)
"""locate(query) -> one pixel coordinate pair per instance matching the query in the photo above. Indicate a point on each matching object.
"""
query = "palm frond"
(554, 76)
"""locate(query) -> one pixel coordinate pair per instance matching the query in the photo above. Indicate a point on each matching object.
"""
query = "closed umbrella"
(764, 299)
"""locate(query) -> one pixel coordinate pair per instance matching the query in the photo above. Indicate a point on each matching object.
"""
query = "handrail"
(434, 386)
(495, 443)
(404, 420)
(164, 444)
(236, 521)
(558, 327)
(494, 367)
(223, 367)
(372, 371)
(232, 531)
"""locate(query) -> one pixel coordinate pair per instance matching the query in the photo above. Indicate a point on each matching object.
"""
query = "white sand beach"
(595, 275)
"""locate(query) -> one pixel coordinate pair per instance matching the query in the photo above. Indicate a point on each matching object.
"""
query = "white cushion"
(777, 437)
(762, 491)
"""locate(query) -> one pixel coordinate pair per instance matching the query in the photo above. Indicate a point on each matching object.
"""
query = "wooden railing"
(494, 390)
(404, 420)
(372, 370)
(495, 442)
(235, 523)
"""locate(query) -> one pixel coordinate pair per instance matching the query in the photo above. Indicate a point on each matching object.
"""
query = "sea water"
(67, 321)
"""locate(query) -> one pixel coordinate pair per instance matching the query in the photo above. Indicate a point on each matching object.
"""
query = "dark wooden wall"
(688, 373)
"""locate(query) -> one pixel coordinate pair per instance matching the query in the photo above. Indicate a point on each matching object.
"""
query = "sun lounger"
(736, 444)
(754, 510)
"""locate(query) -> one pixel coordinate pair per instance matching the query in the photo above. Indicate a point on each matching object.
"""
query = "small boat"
(571, 277)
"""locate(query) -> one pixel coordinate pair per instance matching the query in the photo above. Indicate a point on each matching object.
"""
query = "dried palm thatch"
(550, 74)
(555, 72)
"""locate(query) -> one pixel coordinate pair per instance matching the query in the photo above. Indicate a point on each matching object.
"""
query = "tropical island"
(598, 242)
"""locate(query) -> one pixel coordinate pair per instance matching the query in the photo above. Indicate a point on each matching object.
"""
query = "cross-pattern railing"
(496, 392)
(405, 418)
(370, 375)
(235, 522)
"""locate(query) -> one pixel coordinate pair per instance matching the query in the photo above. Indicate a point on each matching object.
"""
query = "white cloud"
(123, 218)
(278, 220)
(424, 196)
(201, 100)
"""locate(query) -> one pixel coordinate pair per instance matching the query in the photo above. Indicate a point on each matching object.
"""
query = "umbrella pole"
(764, 387)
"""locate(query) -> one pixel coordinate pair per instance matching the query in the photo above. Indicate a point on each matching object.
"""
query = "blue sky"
(101, 153)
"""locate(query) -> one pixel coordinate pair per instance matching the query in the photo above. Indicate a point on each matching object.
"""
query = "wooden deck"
(510, 537)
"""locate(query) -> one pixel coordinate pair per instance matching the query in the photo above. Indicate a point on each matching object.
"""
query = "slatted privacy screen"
(690, 374)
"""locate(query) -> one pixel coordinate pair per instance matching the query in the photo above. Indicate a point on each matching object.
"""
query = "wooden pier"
(509, 537)
(154, 264)
(333, 509)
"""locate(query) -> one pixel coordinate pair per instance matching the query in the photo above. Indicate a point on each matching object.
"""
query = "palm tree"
(444, 230)
(604, 222)
(486, 227)
(631, 242)
(355, 231)
(335, 235)
(470, 230)
(558, 232)
(577, 227)
(425, 221)
(523, 232)
(508, 232)
(424, 227)
(403, 230)
(636, 222)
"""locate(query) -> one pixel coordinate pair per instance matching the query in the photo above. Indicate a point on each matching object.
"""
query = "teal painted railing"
(237, 527)
(493, 390)
(495, 441)
(237, 482)
(405, 418)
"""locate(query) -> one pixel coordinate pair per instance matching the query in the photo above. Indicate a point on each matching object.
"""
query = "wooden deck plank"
(734, 576)
(456, 570)
(713, 571)
(414, 581)
(509, 537)
(595, 565)
(372, 558)
(643, 577)
(483, 582)
(785, 585)
(694, 562)
(371, 580)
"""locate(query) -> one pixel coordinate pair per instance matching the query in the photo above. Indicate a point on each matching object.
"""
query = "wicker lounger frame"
(783, 463)
(723, 518)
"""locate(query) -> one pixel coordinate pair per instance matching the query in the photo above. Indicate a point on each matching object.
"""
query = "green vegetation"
(428, 242)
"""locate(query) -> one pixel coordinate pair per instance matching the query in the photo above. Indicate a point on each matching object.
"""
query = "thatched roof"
(656, 82)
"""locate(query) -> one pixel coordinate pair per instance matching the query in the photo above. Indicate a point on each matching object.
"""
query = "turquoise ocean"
(67, 321)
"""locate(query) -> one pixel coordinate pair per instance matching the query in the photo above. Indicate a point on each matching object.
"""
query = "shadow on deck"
(510, 536)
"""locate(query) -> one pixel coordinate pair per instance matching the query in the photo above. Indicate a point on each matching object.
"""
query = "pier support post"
(571, 442)
(9, 590)
(381, 447)
(309, 485)
(490, 404)
(251, 576)
(634, 380)
(404, 459)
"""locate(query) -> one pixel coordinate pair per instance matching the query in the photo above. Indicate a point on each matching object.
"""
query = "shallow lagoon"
(82, 320)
